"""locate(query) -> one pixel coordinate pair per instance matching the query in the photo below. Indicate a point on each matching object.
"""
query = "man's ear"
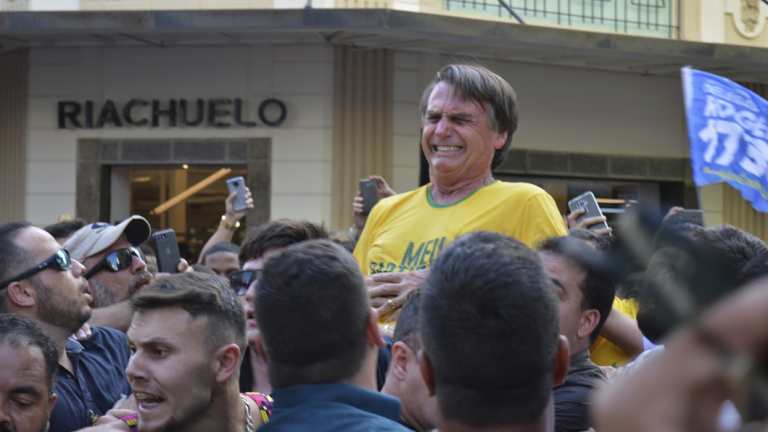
(562, 360)
(588, 322)
(427, 372)
(372, 329)
(398, 365)
(21, 294)
(226, 362)
(499, 140)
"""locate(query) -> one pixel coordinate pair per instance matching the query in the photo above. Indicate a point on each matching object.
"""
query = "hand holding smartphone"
(588, 203)
(237, 185)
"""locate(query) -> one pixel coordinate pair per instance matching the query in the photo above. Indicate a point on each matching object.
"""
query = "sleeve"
(366, 239)
(542, 220)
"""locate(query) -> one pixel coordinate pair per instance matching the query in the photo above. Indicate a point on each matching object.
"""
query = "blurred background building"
(110, 107)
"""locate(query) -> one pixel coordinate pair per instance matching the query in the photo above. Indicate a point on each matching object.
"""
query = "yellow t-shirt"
(406, 232)
(604, 352)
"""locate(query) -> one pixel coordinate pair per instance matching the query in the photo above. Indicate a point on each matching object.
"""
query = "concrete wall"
(561, 109)
(302, 76)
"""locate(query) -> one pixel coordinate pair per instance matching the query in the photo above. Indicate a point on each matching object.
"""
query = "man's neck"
(445, 193)
(226, 413)
(59, 337)
(545, 423)
(366, 376)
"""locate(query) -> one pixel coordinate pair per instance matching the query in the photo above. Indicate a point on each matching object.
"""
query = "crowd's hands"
(383, 190)
(112, 421)
(84, 333)
(703, 364)
(573, 221)
(388, 291)
(182, 267)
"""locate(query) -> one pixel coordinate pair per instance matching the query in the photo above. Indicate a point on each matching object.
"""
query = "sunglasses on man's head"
(116, 261)
(60, 261)
(241, 280)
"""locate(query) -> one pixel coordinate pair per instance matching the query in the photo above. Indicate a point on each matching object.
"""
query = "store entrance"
(141, 189)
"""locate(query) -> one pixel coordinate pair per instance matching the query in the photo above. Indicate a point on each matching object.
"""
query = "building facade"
(120, 105)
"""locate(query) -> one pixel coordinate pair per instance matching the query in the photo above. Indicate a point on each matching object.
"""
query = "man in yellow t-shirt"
(469, 115)
(607, 353)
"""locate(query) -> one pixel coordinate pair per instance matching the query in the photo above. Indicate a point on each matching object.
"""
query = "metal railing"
(657, 18)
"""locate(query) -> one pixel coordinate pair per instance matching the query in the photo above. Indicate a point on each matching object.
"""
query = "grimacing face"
(171, 369)
(26, 399)
(457, 138)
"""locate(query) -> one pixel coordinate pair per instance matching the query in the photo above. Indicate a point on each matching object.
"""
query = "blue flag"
(728, 131)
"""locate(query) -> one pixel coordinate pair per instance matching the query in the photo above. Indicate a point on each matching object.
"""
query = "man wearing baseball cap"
(114, 266)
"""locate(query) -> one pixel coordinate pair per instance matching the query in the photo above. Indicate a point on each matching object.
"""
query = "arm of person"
(623, 332)
(703, 364)
(228, 224)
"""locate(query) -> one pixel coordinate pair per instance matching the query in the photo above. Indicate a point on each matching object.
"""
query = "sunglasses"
(60, 261)
(241, 280)
(116, 261)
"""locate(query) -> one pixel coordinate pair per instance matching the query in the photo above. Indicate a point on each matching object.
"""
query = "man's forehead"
(37, 242)
(24, 362)
(444, 92)
(166, 322)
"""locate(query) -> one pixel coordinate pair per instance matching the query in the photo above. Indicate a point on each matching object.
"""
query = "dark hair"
(601, 242)
(408, 327)
(65, 229)
(223, 246)
(278, 234)
(18, 331)
(490, 330)
(312, 309)
(479, 84)
(199, 294)
(597, 290)
(13, 258)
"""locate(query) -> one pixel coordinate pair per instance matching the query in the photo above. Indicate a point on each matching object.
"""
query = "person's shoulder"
(109, 342)
(107, 335)
(519, 188)
(405, 196)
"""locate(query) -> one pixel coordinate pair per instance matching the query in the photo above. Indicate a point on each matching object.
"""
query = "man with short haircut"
(492, 350)
(585, 300)
(114, 265)
(468, 117)
(404, 380)
(27, 368)
(261, 243)
(222, 258)
(39, 280)
(322, 338)
(187, 334)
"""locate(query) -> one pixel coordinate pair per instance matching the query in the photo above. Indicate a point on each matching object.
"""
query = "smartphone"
(370, 194)
(588, 203)
(695, 217)
(166, 250)
(237, 185)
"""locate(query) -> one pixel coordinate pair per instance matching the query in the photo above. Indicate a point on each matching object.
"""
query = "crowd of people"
(468, 304)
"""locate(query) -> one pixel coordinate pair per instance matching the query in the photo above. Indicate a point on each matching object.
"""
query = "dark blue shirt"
(99, 380)
(333, 408)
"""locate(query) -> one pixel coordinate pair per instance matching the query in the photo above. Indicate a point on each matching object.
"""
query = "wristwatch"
(228, 225)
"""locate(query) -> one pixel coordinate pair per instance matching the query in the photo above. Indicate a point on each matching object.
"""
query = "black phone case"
(370, 195)
(166, 251)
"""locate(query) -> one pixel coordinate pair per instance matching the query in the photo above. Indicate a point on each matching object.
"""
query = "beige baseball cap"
(96, 237)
